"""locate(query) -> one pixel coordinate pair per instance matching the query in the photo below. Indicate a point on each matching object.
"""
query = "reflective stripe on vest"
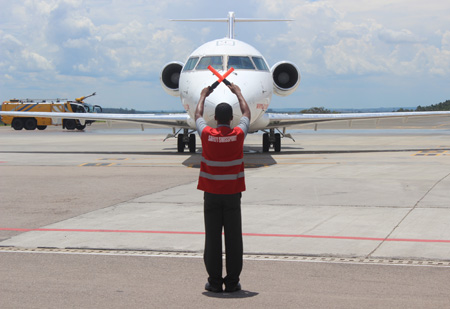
(222, 177)
(222, 163)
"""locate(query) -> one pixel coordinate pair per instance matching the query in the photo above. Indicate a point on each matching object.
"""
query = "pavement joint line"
(387, 238)
(249, 256)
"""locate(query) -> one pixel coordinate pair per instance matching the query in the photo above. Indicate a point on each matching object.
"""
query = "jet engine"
(170, 77)
(286, 78)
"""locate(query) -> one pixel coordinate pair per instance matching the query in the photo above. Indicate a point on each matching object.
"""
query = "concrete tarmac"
(122, 203)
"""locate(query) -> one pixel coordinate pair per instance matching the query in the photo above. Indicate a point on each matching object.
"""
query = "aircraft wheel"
(17, 124)
(30, 124)
(266, 143)
(277, 143)
(192, 143)
(180, 143)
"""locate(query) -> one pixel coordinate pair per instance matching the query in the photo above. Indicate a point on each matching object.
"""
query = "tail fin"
(231, 20)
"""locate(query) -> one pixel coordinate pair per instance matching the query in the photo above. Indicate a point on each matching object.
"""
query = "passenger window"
(260, 64)
(214, 61)
(240, 62)
(190, 65)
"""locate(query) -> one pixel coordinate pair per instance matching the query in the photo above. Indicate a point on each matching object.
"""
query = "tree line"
(443, 106)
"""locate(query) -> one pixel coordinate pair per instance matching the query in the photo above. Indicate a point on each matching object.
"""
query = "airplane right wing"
(275, 120)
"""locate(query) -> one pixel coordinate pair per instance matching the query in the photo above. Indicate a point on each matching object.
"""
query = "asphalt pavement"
(110, 217)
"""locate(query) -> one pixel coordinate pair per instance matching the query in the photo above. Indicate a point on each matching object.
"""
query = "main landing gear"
(271, 139)
(274, 139)
(186, 139)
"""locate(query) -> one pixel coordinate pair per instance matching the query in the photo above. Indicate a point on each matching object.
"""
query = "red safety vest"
(222, 166)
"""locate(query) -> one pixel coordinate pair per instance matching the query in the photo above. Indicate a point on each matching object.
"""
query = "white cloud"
(352, 37)
(112, 43)
(399, 37)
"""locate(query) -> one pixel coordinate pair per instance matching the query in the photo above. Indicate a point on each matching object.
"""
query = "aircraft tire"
(180, 143)
(277, 144)
(266, 143)
(192, 143)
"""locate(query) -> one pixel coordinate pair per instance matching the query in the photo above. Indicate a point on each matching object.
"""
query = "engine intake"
(286, 78)
(170, 77)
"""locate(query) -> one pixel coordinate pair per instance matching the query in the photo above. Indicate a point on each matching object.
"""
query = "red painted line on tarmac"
(244, 234)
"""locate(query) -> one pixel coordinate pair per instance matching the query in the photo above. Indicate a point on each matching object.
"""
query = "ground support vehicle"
(48, 105)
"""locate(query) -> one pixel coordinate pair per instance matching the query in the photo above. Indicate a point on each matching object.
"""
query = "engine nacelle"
(286, 78)
(170, 77)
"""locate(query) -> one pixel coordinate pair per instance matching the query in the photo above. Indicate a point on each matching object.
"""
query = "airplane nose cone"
(221, 95)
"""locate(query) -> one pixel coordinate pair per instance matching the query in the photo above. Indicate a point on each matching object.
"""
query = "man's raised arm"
(242, 103)
(201, 102)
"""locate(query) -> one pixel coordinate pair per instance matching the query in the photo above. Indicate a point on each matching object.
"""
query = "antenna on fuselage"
(231, 20)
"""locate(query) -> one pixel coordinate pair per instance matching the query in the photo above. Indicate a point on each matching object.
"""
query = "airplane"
(251, 73)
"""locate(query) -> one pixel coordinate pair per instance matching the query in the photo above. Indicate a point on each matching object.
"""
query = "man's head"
(224, 113)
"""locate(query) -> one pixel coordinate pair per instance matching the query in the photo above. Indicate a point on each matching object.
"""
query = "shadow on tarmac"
(238, 294)
(253, 157)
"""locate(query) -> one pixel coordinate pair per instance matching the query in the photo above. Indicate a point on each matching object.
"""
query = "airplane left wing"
(165, 120)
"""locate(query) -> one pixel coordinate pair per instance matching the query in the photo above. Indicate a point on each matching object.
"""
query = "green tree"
(443, 106)
(316, 110)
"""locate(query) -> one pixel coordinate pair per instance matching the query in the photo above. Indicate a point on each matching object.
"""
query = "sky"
(351, 53)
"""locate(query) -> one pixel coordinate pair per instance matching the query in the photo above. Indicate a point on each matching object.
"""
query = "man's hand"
(235, 89)
(206, 92)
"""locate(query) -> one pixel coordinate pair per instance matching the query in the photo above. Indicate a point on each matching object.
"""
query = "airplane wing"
(164, 120)
(275, 120)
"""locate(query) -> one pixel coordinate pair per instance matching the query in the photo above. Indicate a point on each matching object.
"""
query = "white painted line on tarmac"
(249, 257)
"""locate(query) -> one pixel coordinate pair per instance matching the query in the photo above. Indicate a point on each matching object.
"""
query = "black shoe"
(210, 288)
(236, 288)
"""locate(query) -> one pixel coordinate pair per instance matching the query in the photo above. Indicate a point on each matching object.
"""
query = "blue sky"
(351, 53)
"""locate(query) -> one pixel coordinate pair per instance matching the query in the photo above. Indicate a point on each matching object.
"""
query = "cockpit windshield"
(236, 62)
(190, 65)
(214, 61)
(240, 62)
(260, 64)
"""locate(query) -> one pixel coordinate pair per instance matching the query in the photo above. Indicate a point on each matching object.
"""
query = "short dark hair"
(224, 113)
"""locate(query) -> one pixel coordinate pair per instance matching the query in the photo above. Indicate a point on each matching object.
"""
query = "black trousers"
(223, 210)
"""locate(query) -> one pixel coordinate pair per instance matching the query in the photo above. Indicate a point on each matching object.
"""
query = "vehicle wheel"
(30, 124)
(192, 143)
(266, 143)
(42, 127)
(277, 144)
(70, 124)
(17, 124)
(81, 127)
(180, 143)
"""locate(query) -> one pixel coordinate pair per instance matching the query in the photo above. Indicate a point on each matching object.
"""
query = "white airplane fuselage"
(256, 85)
(251, 73)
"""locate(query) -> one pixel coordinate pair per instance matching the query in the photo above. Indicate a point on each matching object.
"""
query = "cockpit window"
(260, 64)
(240, 62)
(190, 65)
(214, 61)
